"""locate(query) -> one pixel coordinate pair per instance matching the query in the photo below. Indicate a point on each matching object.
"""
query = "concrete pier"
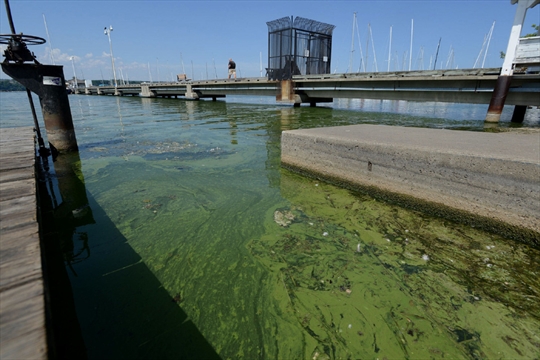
(489, 180)
(22, 303)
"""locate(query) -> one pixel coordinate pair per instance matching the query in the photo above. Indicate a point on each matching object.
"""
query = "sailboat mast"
(49, 38)
(437, 54)
(182, 61)
(361, 64)
(489, 40)
(373, 48)
(410, 49)
(389, 49)
(480, 53)
(352, 44)
(367, 47)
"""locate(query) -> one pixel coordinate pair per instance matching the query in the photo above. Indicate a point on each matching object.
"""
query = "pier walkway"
(22, 304)
(473, 86)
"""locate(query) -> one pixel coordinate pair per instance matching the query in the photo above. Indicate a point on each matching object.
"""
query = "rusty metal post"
(48, 82)
(498, 98)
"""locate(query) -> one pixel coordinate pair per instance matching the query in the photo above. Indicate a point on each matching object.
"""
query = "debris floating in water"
(283, 218)
(325, 234)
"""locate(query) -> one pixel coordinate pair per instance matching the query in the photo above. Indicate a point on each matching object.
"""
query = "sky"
(157, 39)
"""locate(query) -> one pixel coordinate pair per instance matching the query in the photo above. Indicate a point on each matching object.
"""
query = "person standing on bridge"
(232, 68)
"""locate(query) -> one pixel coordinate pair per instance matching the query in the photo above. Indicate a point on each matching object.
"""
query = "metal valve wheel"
(27, 39)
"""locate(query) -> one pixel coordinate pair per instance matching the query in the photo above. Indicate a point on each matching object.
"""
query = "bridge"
(474, 86)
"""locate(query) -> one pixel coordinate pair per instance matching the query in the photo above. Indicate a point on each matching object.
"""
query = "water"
(183, 238)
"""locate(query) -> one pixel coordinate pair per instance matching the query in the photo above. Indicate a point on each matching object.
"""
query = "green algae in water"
(343, 277)
(412, 287)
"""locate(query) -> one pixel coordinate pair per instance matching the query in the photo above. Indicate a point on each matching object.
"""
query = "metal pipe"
(10, 19)
(108, 33)
(36, 124)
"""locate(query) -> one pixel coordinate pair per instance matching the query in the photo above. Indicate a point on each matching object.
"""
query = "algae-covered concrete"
(491, 180)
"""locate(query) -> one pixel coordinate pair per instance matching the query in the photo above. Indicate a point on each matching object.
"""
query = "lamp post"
(107, 32)
(74, 74)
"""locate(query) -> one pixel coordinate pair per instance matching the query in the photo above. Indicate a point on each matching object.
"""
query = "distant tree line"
(10, 85)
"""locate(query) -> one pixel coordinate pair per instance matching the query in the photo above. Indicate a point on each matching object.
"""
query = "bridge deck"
(22, 308)
(473, 86)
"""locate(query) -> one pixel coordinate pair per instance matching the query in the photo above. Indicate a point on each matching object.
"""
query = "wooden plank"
(24, 149)
(14, 189)
(14, 174)
(20, 258)
(18, 211)
(16, 130)
(16, 162)
(22, 322)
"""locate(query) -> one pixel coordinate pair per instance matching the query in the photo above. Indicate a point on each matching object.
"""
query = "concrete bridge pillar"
(190, 94)
(146, 92)
(286, 93)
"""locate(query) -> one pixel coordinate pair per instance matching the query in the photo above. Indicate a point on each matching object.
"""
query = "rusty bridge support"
(503, 82)
(498, 98)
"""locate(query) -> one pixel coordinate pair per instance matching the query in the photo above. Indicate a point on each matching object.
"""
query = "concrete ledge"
(490, 180)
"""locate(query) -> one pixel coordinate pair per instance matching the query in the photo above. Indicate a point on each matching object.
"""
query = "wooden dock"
(22, 304)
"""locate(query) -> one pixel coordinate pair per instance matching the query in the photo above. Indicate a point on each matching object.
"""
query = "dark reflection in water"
(120, 311)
